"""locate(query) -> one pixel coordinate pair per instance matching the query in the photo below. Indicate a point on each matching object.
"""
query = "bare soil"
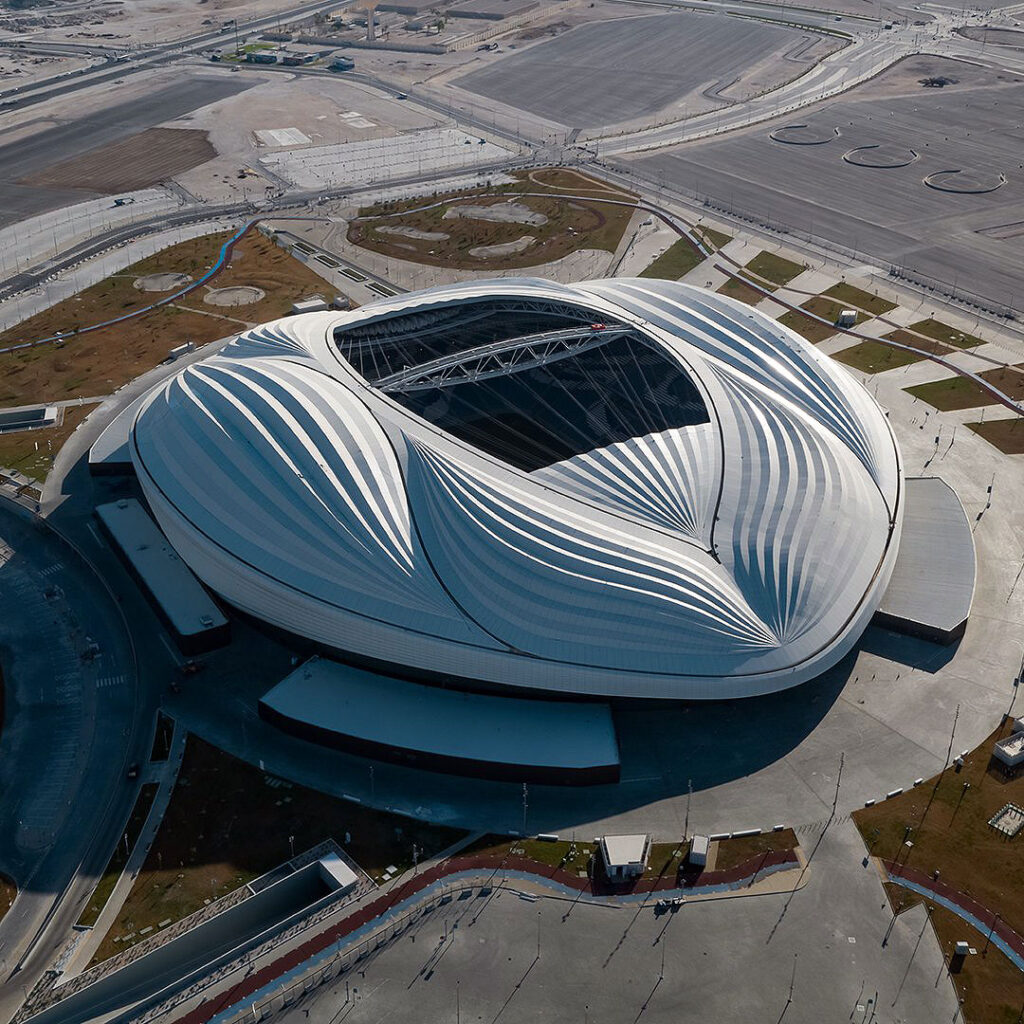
(98, 362)
(154, 155)
(571, 224)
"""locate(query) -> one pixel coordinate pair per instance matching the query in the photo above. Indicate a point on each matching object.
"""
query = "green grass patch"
(938, 331)
(876, 357)
(1008, 379)
(112, 872)
(737, 288)
(716, 239)
(666, 859)
(566, 854)
(1007, 435)
(734, 852)
(813, 330)
(809, 329)
(675, 262)
(919, 343)
(851, 296)
(951, 393)
(774, 268)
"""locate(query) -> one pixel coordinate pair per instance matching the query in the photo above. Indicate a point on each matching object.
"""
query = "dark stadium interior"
(534, 414)
(544, 414)
(392, 344)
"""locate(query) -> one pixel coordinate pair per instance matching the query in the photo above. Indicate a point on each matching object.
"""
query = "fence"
(344, 958)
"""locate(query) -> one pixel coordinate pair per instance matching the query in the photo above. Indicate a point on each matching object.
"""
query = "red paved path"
(962, 900)
(321, 941)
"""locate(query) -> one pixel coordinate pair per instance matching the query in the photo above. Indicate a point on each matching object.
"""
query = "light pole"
(988, 937)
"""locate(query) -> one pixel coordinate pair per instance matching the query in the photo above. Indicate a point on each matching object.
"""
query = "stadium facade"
(624, 488)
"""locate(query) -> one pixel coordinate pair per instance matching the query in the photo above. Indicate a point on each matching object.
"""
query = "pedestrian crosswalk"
(106, 681)
(51, 569)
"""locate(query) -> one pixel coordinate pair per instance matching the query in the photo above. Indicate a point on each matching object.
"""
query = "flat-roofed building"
(624, 858)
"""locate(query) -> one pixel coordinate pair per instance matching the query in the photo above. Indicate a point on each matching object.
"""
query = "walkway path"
(965, 907)
(165, 775)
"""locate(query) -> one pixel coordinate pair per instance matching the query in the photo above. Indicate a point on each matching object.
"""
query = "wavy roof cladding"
(739, 551)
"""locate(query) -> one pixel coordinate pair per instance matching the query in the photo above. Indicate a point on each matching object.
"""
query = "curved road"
(73, 726)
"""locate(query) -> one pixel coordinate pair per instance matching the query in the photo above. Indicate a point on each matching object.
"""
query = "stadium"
(620, 488)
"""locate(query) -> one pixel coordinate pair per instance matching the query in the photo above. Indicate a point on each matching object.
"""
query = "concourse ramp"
(486, 736)
(932, 586)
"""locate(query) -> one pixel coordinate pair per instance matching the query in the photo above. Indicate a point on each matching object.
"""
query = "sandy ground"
(312, 105)
(19, 69)
(134, 23)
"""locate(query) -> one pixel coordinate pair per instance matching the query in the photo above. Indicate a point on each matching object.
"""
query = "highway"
(149, 58)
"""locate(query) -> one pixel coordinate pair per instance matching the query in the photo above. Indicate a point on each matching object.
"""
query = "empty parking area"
(604, 73)
(971, 128)
(26, 187)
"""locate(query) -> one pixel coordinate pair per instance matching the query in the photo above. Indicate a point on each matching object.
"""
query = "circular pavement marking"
(803, 135)
(965, 181)
(880, 155)
(239, 295)
(162, 282)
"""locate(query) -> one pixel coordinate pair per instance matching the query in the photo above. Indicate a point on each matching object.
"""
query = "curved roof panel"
(737, 544)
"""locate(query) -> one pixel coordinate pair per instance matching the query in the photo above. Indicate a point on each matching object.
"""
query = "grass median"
(119, 858)
(228, 823)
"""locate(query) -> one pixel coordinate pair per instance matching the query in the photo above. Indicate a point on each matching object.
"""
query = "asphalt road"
(35, 92)
(71, 729)
(30, 155)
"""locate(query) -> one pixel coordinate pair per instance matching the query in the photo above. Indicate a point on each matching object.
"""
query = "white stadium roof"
(623, 487)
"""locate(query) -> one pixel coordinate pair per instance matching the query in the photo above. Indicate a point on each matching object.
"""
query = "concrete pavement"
(757, 959)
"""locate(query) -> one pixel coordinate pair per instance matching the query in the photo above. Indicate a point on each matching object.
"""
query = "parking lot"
(613, 71)
(970, 240)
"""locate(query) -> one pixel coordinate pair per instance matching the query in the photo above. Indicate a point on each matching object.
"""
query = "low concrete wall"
(147, 980)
